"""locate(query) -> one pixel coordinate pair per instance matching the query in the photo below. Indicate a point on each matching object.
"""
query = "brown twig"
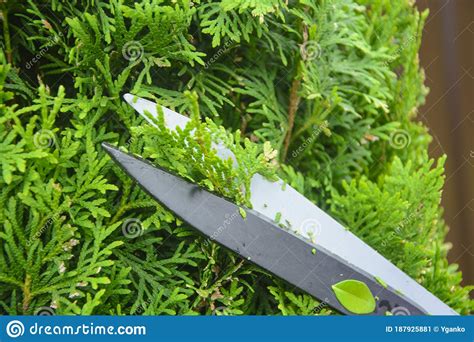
(292, 108)
(294, 99)
(27, 293)
(6, 37)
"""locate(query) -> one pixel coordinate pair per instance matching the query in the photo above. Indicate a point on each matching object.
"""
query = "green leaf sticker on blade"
(355, 296)
(277, 217)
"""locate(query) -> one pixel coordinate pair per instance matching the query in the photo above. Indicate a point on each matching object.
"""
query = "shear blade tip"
(111, 150)
(130, 98)
(106, 146)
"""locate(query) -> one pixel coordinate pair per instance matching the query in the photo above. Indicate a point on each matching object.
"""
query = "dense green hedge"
(332, 85)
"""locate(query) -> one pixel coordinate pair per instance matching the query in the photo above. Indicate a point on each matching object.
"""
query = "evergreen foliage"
(332, 85)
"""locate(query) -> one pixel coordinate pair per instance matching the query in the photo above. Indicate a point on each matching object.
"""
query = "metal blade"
(306, 219)
(256, 238)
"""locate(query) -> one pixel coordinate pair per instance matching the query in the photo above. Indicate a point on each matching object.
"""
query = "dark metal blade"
(257, 239)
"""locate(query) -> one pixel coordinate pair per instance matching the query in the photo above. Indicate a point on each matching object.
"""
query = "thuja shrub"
(322, 93)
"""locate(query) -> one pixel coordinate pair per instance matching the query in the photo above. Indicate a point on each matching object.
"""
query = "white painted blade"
(305, 218)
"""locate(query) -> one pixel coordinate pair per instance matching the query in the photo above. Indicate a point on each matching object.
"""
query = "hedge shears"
(316, 254)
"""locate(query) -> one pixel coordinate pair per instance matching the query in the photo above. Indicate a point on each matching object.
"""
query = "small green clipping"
(278, 217)
(355, 296)
(381, 282)
(243, 213)
(313, 251)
